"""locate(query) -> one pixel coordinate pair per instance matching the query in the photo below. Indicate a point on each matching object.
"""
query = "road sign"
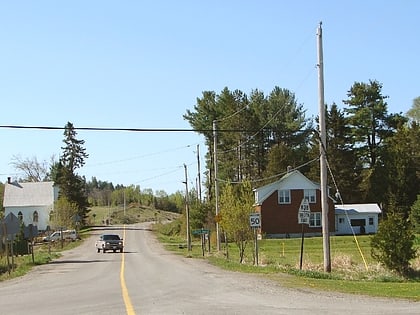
(30, 231)
(304, 212)
(255, 220)
(200, 232)
(12, 223)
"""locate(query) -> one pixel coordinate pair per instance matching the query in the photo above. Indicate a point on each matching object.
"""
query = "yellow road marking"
(128, 306)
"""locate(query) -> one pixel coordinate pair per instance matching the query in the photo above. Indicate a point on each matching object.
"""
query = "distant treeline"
(103, 193)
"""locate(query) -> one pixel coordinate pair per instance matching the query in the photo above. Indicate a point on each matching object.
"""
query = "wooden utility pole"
(199, 172)
(323, 157)
(216, 185)
(187, 210)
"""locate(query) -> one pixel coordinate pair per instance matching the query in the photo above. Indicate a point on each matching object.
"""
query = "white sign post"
(304, 215)
(255, 223)
(255, 220)
(304, 212)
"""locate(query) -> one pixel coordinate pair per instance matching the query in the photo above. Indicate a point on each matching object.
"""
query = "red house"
(278, 204)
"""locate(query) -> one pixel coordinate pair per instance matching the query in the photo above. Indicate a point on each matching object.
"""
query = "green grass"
(353, 269)
(131, 214)
(43, 254)
(20, 265)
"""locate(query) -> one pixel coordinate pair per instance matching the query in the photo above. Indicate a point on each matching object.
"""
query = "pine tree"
(393, 244)
(371, 126)
(72, 186)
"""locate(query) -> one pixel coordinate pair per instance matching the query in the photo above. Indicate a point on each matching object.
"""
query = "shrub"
(393, 244)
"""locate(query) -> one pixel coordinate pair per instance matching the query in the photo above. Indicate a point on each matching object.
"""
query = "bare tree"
(34, 170)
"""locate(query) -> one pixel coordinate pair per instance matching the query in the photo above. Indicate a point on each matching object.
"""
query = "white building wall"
(28, 215)
(343, 225)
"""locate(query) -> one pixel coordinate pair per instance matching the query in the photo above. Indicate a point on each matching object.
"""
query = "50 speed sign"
(255, 220)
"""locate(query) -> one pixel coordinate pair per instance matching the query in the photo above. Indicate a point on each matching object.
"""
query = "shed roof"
(357, 208)
(28, 194)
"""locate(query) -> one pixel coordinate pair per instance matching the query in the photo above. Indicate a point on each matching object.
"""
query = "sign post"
(255, 223)
(204, 233)
(303, 218)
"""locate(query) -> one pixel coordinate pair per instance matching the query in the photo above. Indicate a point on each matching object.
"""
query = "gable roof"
(29, 194)
(361, 208)
(292, 180)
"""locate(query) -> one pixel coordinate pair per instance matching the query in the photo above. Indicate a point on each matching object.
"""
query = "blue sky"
(142, 64)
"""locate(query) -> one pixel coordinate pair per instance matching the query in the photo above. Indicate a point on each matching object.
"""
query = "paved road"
(145, 279)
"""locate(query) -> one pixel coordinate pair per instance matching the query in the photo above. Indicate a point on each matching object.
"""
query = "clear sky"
(142, 64)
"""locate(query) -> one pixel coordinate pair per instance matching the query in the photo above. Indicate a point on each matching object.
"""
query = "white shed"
(30, 202)
(357, 218)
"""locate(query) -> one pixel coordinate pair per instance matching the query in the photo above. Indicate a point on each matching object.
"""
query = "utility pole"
(187, 210)
(124, 201)
(216, 185)
(199, 171)
(323, 157)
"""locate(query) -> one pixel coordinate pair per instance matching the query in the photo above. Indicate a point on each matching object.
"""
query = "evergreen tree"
(72, 186)
(393, 244)
(415, 215)
(414, 112)
(255, 125)
(402, 166)
(370, 126)
(343, 162)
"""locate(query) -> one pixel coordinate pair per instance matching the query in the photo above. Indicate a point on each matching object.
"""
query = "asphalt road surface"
(146, 279)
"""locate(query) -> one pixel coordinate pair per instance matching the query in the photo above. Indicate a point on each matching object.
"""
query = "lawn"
(353, 268)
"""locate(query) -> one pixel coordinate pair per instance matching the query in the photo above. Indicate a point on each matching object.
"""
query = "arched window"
(20, 216)
(35, 217)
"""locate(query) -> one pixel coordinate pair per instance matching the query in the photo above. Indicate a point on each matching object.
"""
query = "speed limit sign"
(255, 220)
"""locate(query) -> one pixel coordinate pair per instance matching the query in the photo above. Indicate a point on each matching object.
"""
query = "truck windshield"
(111, 237)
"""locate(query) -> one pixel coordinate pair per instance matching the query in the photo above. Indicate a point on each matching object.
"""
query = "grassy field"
(353, 269)
(128, 215)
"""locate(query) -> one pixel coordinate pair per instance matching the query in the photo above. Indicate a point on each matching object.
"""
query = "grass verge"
(353, 269)
(43, 253)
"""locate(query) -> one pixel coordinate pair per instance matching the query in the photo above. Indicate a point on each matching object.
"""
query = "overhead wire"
(342, 203)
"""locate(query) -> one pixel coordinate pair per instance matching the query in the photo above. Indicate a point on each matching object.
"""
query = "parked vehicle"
(68, 235)
(109, 242)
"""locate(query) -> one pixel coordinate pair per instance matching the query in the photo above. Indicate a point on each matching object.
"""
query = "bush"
(393, 244)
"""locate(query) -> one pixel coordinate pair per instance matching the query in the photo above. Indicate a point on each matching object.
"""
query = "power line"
(122, 129)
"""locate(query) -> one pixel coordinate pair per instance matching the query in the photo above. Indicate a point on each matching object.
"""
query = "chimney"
(289, 169)
(9, 180)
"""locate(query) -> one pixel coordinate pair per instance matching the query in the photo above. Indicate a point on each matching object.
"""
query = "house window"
(341, 220)
(310, 195)
(35, 217)
(370, 221)
(315, 219)
(284, 196)
(20, 216)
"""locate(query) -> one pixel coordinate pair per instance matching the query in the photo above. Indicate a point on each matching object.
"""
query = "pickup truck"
(68, 235)
(109, 242)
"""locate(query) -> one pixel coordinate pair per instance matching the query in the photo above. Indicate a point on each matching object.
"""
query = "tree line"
(373, 156)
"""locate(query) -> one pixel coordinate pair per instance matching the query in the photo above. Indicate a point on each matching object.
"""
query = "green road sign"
(200, 231)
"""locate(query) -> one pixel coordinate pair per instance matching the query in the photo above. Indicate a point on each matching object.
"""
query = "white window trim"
(282, 194)
(309, 193)
(311, 219)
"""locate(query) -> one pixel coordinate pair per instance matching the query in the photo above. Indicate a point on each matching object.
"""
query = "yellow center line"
(127, 301)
